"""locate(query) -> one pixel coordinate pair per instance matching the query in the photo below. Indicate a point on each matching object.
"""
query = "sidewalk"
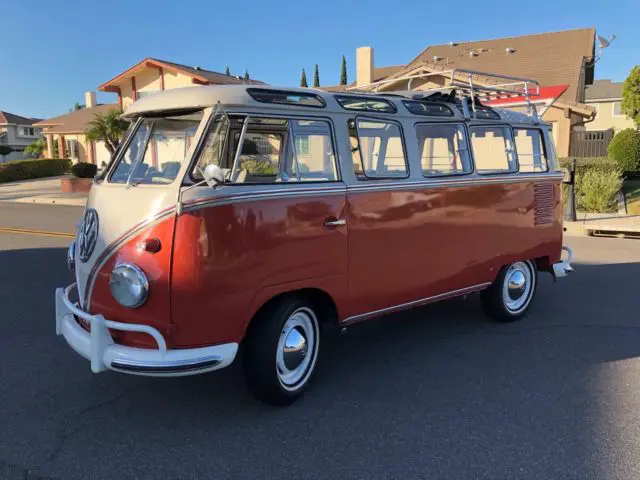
(41, 190)
(604, 224)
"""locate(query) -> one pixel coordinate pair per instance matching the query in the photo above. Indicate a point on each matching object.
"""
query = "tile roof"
(214, 77)
(76, 121)
(379, 73)
(553, 58)
(6, 117)
(602, 89)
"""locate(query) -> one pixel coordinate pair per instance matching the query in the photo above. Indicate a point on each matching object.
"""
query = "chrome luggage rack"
(476, 86)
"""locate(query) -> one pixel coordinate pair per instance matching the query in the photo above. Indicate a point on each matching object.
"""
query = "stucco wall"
(148, 80)
(605, 119)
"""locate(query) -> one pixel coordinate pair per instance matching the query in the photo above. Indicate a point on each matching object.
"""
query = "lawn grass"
(632, 193)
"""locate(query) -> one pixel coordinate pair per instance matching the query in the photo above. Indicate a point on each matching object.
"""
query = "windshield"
(157, 150)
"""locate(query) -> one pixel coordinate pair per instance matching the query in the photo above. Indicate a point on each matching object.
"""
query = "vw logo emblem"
(88, 235)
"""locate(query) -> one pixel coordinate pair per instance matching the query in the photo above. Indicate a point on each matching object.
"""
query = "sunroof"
(378, 105)
(284, 97)
(428, 109)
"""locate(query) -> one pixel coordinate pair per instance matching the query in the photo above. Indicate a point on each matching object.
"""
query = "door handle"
(334, 222)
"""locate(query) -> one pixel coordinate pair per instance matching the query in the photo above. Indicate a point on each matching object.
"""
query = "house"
(17, 132)
(152, 75)
(67, 132)
(605, 97)
(562, 62)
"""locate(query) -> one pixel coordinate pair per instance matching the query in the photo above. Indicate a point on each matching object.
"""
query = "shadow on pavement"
(437, 392)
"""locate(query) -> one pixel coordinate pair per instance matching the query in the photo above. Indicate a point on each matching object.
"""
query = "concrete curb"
(71, 202)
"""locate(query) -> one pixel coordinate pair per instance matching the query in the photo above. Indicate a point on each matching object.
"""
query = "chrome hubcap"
(518, 284)
(297, 349)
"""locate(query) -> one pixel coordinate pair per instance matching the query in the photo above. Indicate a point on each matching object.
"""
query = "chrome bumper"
(98, 346)
(563, 268)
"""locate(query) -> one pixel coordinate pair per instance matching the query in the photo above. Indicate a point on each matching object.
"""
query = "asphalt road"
(439, 392)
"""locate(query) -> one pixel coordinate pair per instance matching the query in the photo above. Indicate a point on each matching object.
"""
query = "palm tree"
(108, 128)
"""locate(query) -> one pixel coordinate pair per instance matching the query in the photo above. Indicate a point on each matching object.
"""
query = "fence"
(590, 144)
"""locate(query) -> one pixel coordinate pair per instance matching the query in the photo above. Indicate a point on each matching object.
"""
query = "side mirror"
(213, 175)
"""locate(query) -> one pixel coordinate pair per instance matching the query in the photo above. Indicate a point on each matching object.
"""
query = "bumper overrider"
(563, 268)
(98, 345)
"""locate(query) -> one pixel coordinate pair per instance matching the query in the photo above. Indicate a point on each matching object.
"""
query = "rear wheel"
(281, 350)
(510, 295)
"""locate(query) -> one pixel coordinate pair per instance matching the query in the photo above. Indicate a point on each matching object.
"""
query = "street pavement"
(437, 392)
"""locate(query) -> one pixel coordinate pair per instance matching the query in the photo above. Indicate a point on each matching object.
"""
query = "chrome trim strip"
(265, 195)
(374, 186)
(106, 254)
(415, 303)
(166, 367)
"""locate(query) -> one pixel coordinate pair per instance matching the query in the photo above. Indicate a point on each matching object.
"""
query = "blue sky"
(52, 52)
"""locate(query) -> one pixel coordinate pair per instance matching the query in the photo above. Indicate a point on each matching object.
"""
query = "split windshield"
(157, 150)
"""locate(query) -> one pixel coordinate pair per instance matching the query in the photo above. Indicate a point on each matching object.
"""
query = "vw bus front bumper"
(98, 345)
(563, 267)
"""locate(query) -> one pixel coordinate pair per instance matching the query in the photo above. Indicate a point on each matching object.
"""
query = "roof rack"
(488, 87)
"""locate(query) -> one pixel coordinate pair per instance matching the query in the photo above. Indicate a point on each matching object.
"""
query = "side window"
(532, 156)
(443, 149)
(493, 149)
(377, 149)
(275, 150)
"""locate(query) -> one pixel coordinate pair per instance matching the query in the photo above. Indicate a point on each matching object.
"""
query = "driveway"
(437, 392)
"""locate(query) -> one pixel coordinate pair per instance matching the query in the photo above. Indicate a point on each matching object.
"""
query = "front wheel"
(510, 295)
(281, 351)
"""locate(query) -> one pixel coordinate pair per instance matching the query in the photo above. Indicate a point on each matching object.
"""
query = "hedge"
(624, 149)
(84, 170)
(598, 180)
(28, 169)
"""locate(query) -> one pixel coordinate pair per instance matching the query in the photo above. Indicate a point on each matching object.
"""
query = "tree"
(343, 71)
(36, 148)
(108, 128)
(303, 79)
(316, 76)
(246, 75)
(624, 149)
(631, 95)
(227, 72)
(5, 150)
(76, 106)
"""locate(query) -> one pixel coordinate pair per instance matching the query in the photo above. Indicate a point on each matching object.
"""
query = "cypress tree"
(316, 77)
(303, 79)
(227, 72)
(343, 71)
(246, 75)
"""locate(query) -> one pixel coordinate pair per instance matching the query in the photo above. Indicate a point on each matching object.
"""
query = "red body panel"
(156, 311)
(413, 244)
(230, 259)
(397, 247)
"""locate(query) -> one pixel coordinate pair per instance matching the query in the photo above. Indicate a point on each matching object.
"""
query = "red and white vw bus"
(252, 215)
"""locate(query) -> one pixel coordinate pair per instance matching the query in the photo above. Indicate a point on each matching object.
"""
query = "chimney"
(89, 99)
(364, 66)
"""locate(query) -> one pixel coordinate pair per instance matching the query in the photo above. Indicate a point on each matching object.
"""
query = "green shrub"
(28, 169)
(593, 174)
(624, 149)
(598, 190)
(84, 170)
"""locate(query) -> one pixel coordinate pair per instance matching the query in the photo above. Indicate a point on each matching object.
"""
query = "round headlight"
(71, 257)
(129, 285)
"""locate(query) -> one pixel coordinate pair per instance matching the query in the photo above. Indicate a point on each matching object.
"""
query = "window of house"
(157, 150)
(443, 149)
(532, 156)
(493, 149)
(617, 109)
(377, 149)
(27, 131)
(72, 148)
(147, 93)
